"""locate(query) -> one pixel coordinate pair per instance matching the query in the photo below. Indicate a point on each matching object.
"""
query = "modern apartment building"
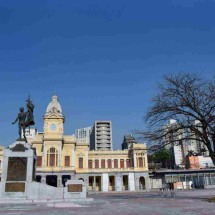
(174, 144)
(196, 145)
(30, 134)
(83, 134)
(101, 136)
(180, 149)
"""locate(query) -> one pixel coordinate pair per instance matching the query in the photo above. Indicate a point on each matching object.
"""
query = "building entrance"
(142, 183)
(65, 178)
(38, 178)
(94, 183)
(51, 180)
(111, 183)
(125, 182)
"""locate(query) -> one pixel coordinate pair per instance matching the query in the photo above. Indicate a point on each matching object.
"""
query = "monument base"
(18, 178)
(39, 191)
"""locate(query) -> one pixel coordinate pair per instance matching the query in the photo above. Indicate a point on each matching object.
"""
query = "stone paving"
(151, 203)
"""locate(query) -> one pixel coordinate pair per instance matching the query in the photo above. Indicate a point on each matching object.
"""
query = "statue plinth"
(18, 169)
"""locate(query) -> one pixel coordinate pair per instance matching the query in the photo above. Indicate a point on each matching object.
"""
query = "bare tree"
(188, 99)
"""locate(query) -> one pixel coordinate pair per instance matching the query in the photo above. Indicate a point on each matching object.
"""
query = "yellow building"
(61, 157)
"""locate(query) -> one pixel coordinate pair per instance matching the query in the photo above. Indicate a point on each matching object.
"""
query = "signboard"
(15, 187)
(75, 188)
(17, 169)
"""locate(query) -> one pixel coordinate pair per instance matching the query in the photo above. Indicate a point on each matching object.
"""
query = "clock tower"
(53, 120)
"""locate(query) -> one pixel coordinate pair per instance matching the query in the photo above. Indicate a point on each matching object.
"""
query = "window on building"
(115, 163)
(109, 163)
(90, 164)
(96, 164)
(140, 162)
(67, 160)
(103, 163)
(39, 160)
(121, 163)
(80, 161)
(52, 157)
(128, 163)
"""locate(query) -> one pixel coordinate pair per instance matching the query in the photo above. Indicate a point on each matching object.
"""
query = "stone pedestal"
(18, 169)
(18, 178)
(75, 189)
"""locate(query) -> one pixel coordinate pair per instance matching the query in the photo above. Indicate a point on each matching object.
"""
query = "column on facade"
(147, 183)
(131, 182)
(60, 156)
(73, 157)
(93, 163)
(86, 160)
(135, 160)
(43, 179)
(105, 182)
(59, 181)
(94, 182)
(44, 157)
(118, 182)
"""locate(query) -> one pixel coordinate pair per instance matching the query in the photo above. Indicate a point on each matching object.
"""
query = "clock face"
(53, 127)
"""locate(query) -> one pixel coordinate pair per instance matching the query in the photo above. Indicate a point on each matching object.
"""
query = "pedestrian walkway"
(193, 202)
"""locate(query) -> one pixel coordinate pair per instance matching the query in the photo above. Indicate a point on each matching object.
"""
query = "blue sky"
(102, 58)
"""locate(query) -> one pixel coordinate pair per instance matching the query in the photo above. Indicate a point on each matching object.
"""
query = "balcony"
(103, 129)
(103, 142)
(103, 137)
(103, 125)
(103, 132)
(54, 168)
(100, 170)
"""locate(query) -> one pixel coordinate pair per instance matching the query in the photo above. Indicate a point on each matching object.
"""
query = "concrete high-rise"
(101, 136)
(174, 143)
(83, 134)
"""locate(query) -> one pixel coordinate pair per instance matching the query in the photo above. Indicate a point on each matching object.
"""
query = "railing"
(106, 169)
(103, 129)
(104, 142)
(103, 137)
(55, 168)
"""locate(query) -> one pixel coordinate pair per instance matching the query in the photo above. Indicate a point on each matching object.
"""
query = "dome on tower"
(54, 107)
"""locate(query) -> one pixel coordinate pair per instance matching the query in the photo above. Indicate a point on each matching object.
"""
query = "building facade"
(101, 136)
(128, 140)
(61, 157)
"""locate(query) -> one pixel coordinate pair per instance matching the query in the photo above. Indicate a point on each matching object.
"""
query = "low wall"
(39, 191)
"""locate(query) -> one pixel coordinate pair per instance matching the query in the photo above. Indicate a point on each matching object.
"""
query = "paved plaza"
(150, 203)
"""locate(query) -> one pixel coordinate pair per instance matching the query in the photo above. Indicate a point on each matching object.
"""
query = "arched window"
(52, 157)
